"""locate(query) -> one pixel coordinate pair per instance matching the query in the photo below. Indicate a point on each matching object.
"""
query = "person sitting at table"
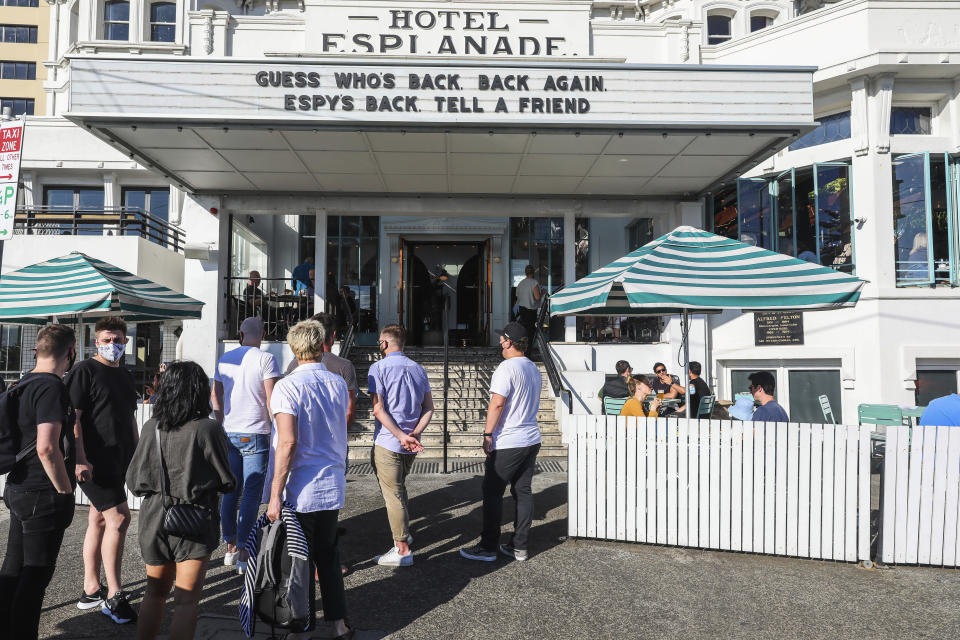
(309, 289)
(300, 275)
(665, 383)
(253, 290)
(637, 405)
(697, 388)
(762, 386)
(617, 388)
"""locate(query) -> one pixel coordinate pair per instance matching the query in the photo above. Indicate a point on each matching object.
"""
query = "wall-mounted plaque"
(777, 327)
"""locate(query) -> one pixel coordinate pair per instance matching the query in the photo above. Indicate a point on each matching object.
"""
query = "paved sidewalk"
(567, 589)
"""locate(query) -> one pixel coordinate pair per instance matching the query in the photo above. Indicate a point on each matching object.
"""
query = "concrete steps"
(467, 398)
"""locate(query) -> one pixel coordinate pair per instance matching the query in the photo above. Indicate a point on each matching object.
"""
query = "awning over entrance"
(424, 127)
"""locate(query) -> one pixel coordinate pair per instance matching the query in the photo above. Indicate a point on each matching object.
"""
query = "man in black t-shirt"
(617, 387)
(697, 389)
(39, 489)
(105, 400)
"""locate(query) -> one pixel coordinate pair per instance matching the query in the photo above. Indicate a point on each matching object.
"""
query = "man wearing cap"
(511, 440)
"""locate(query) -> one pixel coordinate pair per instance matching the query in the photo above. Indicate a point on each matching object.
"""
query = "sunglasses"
(658, 371)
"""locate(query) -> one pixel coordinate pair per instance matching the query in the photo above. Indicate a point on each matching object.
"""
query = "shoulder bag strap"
(163, 472)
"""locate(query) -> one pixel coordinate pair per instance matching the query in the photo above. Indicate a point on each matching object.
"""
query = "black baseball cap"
(513, 331)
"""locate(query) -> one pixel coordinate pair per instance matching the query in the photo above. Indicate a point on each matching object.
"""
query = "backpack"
(12, 449)
(281, 594)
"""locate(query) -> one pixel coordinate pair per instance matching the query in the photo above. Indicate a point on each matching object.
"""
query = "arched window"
(718, 28)
(760, 21)
(116, 20)
(163, 21)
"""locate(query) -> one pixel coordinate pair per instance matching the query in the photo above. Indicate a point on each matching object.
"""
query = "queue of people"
(219, 450)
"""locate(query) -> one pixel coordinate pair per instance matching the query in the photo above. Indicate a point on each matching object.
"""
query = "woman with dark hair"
(195, 471)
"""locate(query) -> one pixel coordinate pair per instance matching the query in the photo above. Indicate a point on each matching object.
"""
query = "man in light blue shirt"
(762, 386)
(942, 412)
(402, 409)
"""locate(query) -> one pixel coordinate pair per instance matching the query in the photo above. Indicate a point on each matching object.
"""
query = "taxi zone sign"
(11, 143)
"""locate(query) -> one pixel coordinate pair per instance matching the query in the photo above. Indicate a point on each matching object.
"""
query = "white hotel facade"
(389, 140)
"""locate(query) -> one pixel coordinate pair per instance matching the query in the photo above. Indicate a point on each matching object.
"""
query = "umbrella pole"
(686, 360)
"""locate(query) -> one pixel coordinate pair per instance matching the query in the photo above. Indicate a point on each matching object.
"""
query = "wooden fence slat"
(939, 495)
(725, 477)
(583, 474)
(769, 489)
(793, 479)
(616, 476)
(693, 481)
(759, 483)
(950, 506)
(888, 516)
(826, 524)
(642, 480)
(601, 447)
(780, 539)
(704, 511)
(913, 494)
(661, 444)
(612, 476)
(901, 492)
(633, 481)
(850, 504)
(573, 480)
(652, 480)
(803, 492)
(816, 490)
(864, 501)
(592, 495)
(671, 427)
(683, 481)
(746, 542)
(736, 485)
(714, 484)
(839, 489)
(926, 492)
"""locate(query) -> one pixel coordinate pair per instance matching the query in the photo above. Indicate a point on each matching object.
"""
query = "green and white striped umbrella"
(694, 270)
(81, 287)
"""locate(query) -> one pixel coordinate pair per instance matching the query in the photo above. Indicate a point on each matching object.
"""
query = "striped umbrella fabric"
(81, 287)
(694, 270)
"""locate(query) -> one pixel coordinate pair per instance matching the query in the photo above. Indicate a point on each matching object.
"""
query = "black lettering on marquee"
(501, 106)
(363, 40)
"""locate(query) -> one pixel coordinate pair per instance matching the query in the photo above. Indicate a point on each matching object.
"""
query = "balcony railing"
(119, 221)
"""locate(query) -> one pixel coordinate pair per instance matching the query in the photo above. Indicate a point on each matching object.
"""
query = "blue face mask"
(111, 352)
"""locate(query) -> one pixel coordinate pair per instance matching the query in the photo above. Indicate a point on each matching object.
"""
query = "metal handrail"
(56, 220)
(347, 341)
(549, 364)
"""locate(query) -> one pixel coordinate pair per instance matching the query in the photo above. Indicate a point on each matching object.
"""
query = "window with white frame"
(799, 387)
(759, 22)
(935, 381)
(719, 28)
(163, 21)
(116, 20)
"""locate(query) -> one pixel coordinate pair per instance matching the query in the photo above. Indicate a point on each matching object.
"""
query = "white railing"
(919, 500)
(787, 489)
(144, 411)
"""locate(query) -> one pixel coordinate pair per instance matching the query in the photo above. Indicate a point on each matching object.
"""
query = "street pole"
(686, 360)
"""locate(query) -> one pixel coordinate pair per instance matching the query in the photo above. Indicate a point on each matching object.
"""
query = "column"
(570, 267)
(320, 262)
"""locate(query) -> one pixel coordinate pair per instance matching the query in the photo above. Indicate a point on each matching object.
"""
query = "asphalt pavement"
(567, 589)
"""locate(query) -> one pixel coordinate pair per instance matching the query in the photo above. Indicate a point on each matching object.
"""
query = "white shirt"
(525, 293)
(318, 399)
(519, 381)
(242, 372)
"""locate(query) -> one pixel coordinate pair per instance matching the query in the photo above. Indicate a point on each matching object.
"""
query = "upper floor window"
(16, 70)
(19, 33)
(18, 106)
(116, 20)
(718, 28)
(910, 121)
(832, 128)
(760, 22)
(152, 200)
(163, 19)
(20, 3)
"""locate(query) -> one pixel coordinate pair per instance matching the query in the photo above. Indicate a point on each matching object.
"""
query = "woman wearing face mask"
(103, 394)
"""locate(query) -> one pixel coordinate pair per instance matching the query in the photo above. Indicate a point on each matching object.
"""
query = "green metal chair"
(884, 415)
(706, 406)
(612, 406)
(911, 417)
(827, 410)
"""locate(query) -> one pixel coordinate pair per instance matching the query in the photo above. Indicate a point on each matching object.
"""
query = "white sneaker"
(230, 559)
(393, 558)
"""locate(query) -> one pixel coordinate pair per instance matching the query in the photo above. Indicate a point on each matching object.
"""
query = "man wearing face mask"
(103, 395)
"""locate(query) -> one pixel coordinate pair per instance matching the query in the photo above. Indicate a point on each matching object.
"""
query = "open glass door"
(785, 205)
(756, 215)
(912, 215)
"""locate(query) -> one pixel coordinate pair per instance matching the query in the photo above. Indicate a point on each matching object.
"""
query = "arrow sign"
(11, 146)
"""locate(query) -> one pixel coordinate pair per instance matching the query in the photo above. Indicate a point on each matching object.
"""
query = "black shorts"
(104, 493)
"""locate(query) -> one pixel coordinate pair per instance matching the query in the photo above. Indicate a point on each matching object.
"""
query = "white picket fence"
(921, 485)
(144, 411)
(787, 489)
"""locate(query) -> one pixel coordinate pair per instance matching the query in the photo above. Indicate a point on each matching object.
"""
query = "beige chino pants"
(392, 470)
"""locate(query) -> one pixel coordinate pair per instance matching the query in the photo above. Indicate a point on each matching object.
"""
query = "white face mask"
(111, 352)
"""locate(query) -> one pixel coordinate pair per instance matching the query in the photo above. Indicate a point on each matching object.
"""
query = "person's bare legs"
(186, 597)
(92, 541)
(116, 521)
(159, 582)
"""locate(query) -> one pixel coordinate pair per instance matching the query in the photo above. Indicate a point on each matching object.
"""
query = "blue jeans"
(248, 454)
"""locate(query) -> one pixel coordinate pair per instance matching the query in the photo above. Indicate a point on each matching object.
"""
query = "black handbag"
(188, 521)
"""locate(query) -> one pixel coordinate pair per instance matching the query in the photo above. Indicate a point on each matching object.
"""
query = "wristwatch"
(487, 435)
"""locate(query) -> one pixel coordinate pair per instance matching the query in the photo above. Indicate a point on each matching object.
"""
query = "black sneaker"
(118, 609)
(478, 553)
(92, 600)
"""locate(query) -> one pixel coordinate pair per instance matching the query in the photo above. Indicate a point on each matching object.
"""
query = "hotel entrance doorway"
(445, 279)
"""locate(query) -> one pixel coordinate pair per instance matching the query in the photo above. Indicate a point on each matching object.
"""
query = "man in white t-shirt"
(242, 386)
(511, 441)
(528, 301)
